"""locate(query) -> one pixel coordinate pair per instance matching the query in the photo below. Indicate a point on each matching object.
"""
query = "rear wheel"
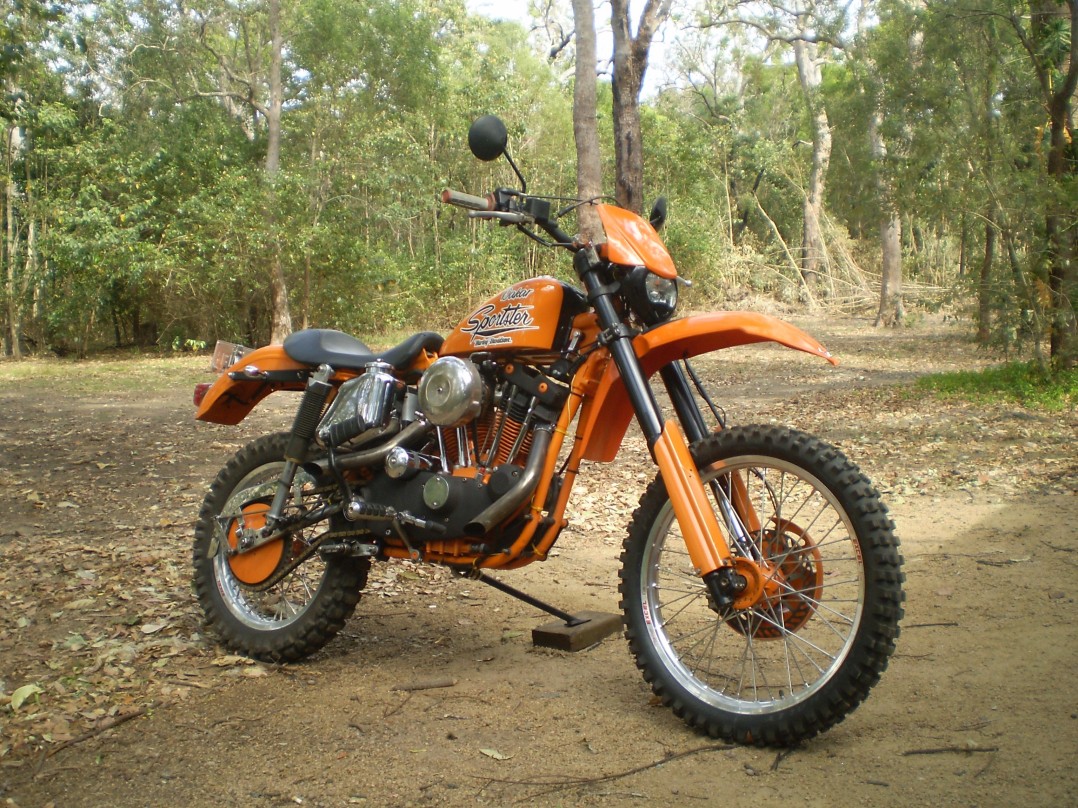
(308, 606)
(816, 624)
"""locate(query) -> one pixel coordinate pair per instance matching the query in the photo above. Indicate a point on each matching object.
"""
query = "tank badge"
(491, 325)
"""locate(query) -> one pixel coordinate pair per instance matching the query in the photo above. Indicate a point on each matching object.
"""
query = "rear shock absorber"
(303, 428)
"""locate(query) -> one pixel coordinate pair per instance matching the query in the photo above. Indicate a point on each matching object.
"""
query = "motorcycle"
(760, 580)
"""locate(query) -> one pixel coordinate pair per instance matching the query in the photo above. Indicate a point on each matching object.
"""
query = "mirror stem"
(523, 182)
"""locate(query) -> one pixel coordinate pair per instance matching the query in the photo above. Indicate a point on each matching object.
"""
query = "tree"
(630, 65)
(1051, 43)
(891, 310)
(813, 29)
(280, 318)
(585, 123)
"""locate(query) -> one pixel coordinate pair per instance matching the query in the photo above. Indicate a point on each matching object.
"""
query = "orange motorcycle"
(760, 580)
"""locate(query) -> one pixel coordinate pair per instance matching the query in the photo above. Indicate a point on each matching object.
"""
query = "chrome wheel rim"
(733, 664)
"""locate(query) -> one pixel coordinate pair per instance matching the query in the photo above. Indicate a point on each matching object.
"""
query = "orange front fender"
(606, 416)
(229, 401)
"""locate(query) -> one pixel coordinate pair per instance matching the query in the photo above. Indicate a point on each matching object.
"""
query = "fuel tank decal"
(530, 315)
(491, 324)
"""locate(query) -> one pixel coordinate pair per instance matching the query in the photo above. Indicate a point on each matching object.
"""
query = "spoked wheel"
(252, 611)
(817, 621)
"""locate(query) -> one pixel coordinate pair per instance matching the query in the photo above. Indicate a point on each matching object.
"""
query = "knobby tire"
(236, 614)
(783, 670)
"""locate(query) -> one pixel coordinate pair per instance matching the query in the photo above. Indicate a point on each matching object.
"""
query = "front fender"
(229, 400)
(606, 415)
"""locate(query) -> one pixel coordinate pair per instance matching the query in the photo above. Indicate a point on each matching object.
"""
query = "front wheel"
(817, 622)
(255, 603)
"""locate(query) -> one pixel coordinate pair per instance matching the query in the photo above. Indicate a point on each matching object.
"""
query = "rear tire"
(806, 652)
(293, 618)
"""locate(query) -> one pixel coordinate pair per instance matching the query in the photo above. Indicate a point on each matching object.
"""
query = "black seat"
(317, 346)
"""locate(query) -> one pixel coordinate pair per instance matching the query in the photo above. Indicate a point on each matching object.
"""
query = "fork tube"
(692, 420)
(704, 539)
(618, 338)
(738, 516)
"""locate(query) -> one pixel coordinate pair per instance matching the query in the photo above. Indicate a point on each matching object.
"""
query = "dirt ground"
(111, 694)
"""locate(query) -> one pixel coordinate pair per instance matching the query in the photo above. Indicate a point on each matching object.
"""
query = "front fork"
(704, 539)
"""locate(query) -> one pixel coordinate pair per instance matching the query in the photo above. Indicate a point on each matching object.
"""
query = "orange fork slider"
(703, 538)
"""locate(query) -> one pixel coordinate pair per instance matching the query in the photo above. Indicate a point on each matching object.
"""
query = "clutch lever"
(508, 217)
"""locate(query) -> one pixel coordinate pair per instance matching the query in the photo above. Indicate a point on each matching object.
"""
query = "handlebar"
(469, 201)
(513, 207)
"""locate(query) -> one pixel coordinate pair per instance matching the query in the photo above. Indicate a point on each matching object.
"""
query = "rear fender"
(605, 418)
(230, 400)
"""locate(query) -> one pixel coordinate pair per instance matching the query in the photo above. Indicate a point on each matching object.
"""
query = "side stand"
(573, 633)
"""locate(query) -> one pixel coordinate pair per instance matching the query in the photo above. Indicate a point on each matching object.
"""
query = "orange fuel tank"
(534, 316)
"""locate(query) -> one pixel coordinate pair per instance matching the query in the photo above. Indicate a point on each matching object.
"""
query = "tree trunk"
(1060, 223)
(585, 125)
(812, 243)
(630, 65)
(12, 145)
(984, 284)
(280, 317)
(891, 309)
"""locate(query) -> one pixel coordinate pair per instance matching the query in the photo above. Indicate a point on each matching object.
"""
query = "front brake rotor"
(792, 573)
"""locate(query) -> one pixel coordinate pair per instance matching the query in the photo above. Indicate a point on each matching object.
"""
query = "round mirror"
(487, 138)
(658, 213)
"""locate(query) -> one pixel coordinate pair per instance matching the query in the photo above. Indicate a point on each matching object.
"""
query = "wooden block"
(598, 626)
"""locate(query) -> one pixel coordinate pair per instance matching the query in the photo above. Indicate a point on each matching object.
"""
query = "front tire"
(303, 611)
(798, 656)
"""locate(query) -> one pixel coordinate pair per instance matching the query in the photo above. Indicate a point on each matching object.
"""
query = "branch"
(555, 50)
(223, 63)
(106, 724)
(575, 782)
(774, 36)
(1070, 83)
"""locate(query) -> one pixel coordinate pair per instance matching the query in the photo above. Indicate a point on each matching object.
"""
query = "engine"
(477, 432)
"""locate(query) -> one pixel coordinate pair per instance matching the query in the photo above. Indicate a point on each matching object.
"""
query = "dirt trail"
(979, 706)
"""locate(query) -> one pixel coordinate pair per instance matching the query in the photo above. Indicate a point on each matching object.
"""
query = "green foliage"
(141, 213)
(1030, 384)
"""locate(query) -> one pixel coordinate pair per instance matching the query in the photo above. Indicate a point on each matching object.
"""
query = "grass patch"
(116, 374)
(1028, 384)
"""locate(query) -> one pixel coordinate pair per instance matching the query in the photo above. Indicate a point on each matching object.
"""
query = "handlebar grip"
(467, 200)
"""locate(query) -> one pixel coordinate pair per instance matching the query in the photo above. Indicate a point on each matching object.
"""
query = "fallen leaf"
(494, 753)
(232, 659)
(22, 694)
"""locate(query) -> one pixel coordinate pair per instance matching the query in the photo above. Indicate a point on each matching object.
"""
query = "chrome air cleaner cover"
(451, 392)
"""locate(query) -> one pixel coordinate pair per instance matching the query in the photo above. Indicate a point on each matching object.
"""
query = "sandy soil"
(137, 707)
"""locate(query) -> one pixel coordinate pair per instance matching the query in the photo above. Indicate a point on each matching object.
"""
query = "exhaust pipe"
(377, 455)
(516, 496)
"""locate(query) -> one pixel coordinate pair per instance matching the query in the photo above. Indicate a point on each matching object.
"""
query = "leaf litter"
(97, 616)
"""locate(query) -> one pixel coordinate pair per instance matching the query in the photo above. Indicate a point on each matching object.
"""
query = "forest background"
(179, 172)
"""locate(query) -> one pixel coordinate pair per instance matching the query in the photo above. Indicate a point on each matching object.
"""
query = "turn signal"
(200, 392)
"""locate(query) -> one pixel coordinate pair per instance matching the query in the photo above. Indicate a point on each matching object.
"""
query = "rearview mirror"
(487, 138)
(658, 213)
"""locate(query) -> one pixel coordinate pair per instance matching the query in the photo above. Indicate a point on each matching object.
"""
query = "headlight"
(651, 297)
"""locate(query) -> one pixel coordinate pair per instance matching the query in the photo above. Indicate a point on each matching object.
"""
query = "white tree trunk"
(813, 251)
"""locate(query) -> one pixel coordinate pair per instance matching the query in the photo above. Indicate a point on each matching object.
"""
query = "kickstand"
(567, 618)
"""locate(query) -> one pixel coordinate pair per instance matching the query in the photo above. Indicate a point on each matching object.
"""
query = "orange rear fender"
(606, 416)
(229, 400)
